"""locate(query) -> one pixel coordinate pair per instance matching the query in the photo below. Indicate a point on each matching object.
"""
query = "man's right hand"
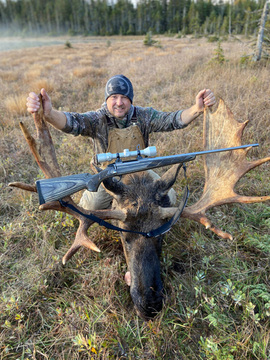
(33, 103)
(54, 117)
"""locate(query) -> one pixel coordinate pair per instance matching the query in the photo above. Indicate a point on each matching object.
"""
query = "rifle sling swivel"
(153, 233)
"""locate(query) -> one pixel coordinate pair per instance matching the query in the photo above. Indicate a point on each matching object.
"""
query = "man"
(118, 125)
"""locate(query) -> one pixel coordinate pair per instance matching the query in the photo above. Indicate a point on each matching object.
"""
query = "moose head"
(145, 205)
(142, 203)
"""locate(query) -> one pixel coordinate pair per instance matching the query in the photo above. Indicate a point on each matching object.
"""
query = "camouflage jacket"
(95, 124)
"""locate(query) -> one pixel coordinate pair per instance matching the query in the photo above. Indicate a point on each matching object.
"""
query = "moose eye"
(128, 240)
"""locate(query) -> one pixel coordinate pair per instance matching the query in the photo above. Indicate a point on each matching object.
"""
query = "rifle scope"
(149, 151)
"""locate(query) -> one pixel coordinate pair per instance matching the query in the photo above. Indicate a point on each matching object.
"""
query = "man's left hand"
(205, 98)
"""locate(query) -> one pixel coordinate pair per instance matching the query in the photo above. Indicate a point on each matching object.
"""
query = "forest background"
(122, 17)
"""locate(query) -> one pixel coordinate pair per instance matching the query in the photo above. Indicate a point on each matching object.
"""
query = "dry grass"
(218, 291)
(34, 72)
(37, 84)
(88, 72)
(8, 76)
(15, 105)
(86, 62)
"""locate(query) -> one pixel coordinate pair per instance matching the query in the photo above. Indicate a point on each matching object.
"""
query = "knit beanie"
(119, 84)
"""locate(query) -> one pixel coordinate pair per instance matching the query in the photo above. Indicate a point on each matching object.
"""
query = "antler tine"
(23, 186)
(82, 238)
(259, 162)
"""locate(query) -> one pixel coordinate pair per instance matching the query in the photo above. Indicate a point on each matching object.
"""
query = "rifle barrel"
(220, 150)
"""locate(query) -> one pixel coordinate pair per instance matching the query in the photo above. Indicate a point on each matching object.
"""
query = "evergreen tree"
(194, 21)
(109, 17)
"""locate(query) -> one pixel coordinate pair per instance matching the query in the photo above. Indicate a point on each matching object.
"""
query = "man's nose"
(119, 101)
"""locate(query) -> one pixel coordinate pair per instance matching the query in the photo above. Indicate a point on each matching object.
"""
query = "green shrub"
(148, 40)
(219, 57)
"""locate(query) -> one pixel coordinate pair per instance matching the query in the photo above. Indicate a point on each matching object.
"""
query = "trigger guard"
(117, 179)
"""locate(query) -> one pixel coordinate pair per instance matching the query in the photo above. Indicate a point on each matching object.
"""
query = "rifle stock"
(57, 188)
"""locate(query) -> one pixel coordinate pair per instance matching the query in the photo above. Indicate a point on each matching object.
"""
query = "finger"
(33, 96)
(44, 94)
(207, 92)
(210, 101)
(33, 100)
(32, 104)
(209, 96)
(201, 94)
(32, 109)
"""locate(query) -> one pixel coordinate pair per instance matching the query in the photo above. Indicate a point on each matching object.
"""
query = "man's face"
(118, 105)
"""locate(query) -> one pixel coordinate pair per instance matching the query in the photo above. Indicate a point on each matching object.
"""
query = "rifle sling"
(153, 233)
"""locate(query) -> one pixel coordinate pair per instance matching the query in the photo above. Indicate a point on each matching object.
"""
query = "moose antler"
(44, 152)
(222, 170)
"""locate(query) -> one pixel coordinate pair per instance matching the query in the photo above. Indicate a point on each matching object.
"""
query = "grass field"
(218, 291)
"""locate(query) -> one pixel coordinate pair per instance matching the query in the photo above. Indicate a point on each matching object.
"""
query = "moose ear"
(164, 184)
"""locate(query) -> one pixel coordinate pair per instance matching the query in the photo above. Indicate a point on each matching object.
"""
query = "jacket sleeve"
(84, 124)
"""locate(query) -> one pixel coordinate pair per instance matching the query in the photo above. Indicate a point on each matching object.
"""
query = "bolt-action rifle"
(59, 187)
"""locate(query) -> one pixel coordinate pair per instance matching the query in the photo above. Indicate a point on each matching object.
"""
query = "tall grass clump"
(217, 303)
(15, 105)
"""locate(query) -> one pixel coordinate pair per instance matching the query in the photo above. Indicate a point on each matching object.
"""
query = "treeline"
(104, 17)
